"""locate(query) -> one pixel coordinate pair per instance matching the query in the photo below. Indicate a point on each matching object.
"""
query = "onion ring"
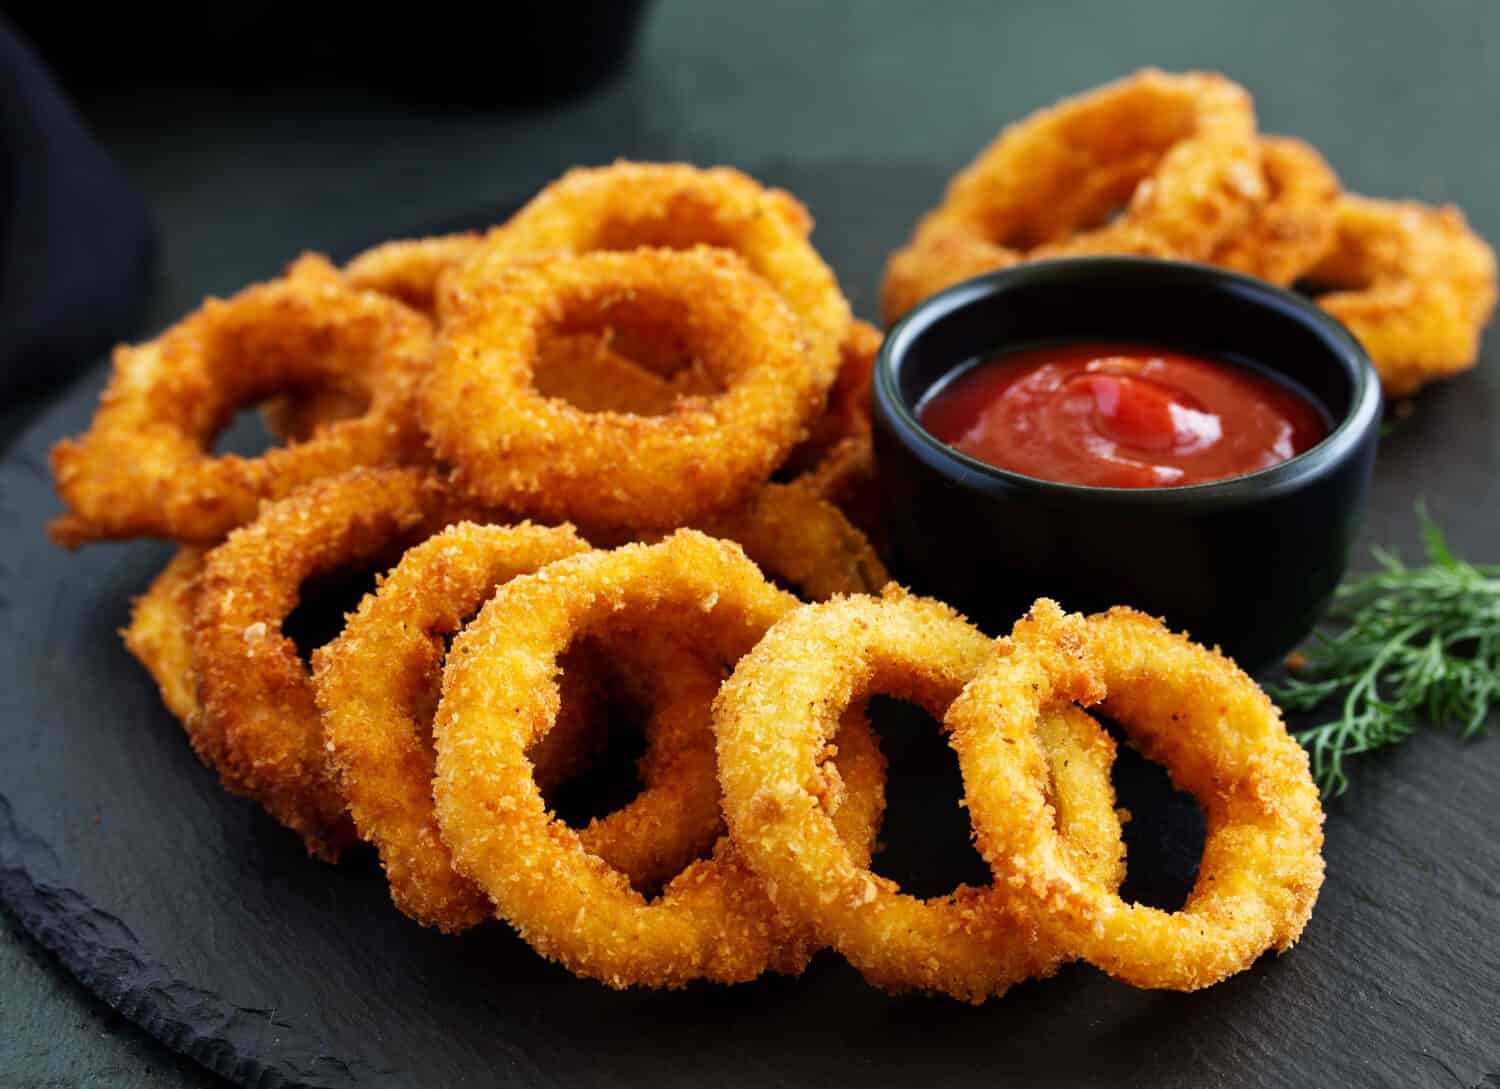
(673, 205)
(1412, 282)
(1221, 739)
(376, 686)
(258, 724)
(1294, 227)
(714, 920)
(546, 458)
(772, 718)
(1179, 151)
(143, 468)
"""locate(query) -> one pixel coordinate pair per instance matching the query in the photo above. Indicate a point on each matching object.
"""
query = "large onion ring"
(1221, 739)
(258, 724)
(713, 921)
(631, 205)
(1414, 283)
(550, 460)
(144, 467)
(1179, 151)
(1293, 228)
(773, 717)
(376, 685)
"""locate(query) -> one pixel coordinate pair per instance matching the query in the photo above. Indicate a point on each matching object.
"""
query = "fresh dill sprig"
(1420, 645)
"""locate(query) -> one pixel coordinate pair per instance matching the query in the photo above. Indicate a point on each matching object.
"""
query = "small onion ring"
(514, 447)
(1293, 228)
(1221, 739)
(1179, 150)
(258, 724)
(772, 718)
(714, 920)
(144, 467)
(1414, 283)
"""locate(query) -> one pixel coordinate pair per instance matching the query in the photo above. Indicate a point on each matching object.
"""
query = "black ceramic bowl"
(1248, 563)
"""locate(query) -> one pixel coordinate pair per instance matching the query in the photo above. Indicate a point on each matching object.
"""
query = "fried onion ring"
(144, 467)
(713, 921)
(377, 687)
(258, 724)
(1412, 282)
(1221, 739)
(1178, 151)
(773, 717)
(630, 205)
(1293, 228)
(550, 460)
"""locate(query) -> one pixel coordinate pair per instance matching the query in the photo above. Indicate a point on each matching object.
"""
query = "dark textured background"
(862, 109)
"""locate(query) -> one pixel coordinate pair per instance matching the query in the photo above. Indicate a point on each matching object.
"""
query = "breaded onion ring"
(773, 717)
(160, 636)
(550, 460)
(258, 724)
(1414, 283)
(377, 688)
(673, 205)
(1178, 151)
(1293, 228)
(145, 468)
(1221, 739)
(714, 920)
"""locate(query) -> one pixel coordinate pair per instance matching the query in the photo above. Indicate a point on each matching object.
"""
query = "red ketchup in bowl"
(1120, 416)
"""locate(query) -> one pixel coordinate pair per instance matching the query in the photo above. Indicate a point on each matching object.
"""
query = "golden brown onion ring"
(258, 724)
(511, 446)
(1221, 739)
(145, 467)
(712, 921)
(673, 205)
(1414, 283)
(774, 716)
(1179, 152)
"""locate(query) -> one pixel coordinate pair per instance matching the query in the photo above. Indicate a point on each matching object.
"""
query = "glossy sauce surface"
(1121, 416)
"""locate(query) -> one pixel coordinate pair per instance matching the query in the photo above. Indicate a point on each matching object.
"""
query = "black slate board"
(201, 920)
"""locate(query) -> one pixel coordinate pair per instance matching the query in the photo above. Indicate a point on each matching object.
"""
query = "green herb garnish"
(1421, 646)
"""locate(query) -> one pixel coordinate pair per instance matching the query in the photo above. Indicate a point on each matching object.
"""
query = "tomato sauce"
(1121, 416)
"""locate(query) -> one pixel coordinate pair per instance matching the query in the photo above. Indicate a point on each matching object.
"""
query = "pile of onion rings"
(1171, 166)
(615, 456)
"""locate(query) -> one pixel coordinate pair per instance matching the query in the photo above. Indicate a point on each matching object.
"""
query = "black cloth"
(77, 239)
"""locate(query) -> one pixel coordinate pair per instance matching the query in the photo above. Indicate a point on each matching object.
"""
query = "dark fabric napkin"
(77, 239)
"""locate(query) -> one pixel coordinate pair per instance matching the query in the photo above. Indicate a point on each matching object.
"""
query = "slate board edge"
(99, 951)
